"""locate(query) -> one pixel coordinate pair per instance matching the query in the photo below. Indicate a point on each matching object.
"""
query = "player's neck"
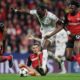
(74, 12)
(45, 14)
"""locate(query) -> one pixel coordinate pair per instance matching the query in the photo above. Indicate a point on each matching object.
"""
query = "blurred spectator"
(60, 4)
(31, 4)
(18, 30)
(24, 43)
(11, 30)
(19, 24)
(2, 14)
(8, 50)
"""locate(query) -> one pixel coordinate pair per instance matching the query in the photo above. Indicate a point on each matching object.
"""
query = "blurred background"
(20, 24)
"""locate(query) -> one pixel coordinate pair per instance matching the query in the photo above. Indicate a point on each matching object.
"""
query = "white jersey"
(47, 23)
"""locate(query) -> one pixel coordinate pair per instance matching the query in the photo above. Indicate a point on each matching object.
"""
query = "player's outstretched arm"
(22, 10)
(59, 26)
(30, 36)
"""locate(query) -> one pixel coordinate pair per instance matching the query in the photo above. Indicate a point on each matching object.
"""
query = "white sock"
(44, 59)
(63, 58)
(63, 67)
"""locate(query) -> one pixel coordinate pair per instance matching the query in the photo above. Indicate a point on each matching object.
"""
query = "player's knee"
(46, 44)
(0, 57)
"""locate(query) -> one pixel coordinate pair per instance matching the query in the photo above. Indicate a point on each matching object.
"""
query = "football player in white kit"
(52, 30)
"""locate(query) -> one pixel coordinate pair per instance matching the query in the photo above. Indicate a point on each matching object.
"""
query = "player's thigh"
(33, 72)
(61, 36)
(77, 46)
(45, 43)
(60, 51)
(69, 48)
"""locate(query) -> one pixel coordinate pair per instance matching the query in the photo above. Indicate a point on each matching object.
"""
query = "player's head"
(74, 6)
(35, 48)
(41, 10)
(1, 26)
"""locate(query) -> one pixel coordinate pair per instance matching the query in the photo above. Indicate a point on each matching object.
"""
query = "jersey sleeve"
(33, 12)
(29, 62)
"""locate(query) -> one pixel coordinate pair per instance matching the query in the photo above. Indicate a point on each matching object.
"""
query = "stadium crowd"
(20, 24)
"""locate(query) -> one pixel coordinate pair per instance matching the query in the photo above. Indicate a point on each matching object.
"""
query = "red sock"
(73, 58)
(9, 57)
(4, 58)
(78, 58)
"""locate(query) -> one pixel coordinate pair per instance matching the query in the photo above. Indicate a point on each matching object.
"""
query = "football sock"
(44, 59)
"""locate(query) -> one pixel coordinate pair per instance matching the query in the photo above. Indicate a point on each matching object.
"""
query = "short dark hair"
(35, 44)
(42, 6)
(75, 3)
(1, 26)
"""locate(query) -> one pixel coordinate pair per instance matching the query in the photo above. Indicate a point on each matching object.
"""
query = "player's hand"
(47, 36)
(30, 36)
(15, 10)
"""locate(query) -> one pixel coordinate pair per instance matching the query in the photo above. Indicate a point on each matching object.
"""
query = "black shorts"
(70, 43)
(40, 70)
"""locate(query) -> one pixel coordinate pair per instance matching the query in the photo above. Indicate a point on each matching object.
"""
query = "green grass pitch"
(47, 77)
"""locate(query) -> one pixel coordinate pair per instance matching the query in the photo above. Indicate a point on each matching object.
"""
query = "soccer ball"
(23, 72)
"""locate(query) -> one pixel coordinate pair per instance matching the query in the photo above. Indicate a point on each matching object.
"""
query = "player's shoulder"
(50, 13)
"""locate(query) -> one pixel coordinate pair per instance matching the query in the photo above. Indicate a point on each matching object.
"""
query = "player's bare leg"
(31, 71)
(69, 51)
(77, 50)
(69, 55)
(6, 58)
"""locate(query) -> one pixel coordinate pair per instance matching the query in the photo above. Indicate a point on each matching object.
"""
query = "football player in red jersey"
(73, 26)
(2, 45)
(35, 59)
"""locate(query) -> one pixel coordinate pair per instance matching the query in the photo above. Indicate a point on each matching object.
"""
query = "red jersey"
(1, 36)
(1, 43)
(74, 23)
(36, 60)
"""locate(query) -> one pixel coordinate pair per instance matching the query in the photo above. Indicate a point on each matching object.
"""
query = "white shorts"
(60, 42)
(60, 50)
